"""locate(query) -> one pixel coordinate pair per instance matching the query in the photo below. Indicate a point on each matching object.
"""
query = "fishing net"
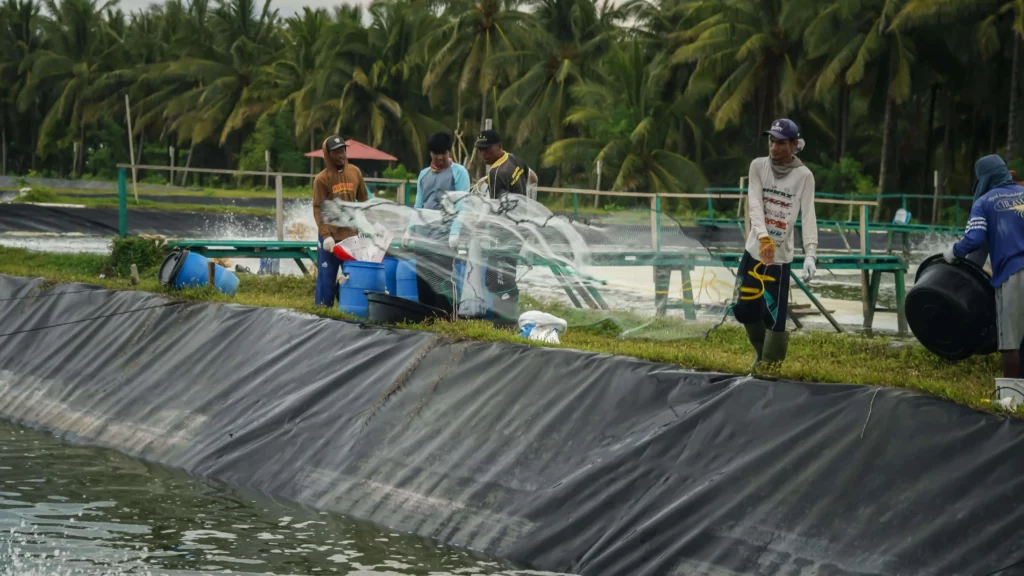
(629, 274)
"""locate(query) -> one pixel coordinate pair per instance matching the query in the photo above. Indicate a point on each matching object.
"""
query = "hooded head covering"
(331, 143)
(992, 173)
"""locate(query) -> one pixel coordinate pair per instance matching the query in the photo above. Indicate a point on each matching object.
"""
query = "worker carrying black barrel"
(997, 219)
(780, 187)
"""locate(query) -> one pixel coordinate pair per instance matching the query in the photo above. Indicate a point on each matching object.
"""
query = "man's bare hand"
(767, 252)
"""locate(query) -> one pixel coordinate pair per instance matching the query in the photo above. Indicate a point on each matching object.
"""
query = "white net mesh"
(478, 257)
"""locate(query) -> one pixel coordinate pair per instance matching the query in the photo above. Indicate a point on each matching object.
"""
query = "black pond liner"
(387, 309)
(952, 310)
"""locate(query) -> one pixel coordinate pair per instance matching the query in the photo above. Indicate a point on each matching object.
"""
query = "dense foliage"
(670, 95)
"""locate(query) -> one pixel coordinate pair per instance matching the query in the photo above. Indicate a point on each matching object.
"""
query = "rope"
(112, 314)
(46, 295)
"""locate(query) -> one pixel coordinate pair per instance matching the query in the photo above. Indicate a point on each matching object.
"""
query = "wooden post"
(597, 197)
(865, 248)
(279, 207)
(401, 194)
(5, 150)
(170, 172)
(266, 158)
(211, 272)
(135, 275)
(131, 146)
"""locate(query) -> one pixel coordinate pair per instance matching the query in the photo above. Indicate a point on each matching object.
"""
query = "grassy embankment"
(813, 357)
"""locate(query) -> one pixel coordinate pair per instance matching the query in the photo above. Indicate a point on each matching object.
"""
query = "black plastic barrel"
(952, 309)
(387, 309)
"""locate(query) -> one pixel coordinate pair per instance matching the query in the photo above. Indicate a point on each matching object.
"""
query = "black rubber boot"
(776, 344)
(756, 333)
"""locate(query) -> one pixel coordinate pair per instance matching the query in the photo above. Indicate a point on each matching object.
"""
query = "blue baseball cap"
(783, 129)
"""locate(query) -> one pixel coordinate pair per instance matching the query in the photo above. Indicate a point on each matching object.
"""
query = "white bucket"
(902, 216)
(1010, 387)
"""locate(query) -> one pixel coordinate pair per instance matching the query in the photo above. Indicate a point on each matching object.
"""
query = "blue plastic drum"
(362, 277)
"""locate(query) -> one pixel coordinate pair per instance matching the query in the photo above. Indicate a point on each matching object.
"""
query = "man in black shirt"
(507, 175)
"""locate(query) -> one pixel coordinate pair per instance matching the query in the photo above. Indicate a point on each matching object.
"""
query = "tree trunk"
(142, 140)
(32, 139)
(483, 124)
(887, 139)
(5, 150)
(1011, 127)
(947, 157)
(81, 151)
(188, 163)
(930, 140)
(844, 120)
(311, 145)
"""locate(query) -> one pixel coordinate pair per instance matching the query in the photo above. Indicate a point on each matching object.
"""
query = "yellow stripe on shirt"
(500, 161)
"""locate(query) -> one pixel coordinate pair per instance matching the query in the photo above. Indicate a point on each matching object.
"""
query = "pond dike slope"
(564, 460)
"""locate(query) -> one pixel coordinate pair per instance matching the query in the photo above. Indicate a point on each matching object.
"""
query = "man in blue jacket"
(434, 255)
(997, 219)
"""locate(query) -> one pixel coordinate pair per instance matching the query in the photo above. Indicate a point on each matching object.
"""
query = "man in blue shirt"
(997, 219)
(434, 258)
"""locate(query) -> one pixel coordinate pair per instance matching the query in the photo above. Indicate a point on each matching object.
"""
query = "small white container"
(1010, 388)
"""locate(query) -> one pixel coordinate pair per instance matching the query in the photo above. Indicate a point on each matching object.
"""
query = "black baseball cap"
(783, 129)
(487, 138)
(335, 142)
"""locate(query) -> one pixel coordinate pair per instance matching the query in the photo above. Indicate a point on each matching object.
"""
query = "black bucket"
(387, 309)
(952, 309)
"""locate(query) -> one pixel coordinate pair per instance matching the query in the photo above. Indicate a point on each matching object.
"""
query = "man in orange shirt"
(339, 180)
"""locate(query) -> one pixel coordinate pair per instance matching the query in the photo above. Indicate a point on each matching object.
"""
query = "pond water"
(69, 509)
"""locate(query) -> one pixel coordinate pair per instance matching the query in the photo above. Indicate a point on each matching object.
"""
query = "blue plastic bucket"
(362, 277)
(390, 266)
(188, 269)
(405, 281)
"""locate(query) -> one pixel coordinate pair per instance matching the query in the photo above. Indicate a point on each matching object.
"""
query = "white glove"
(406, 238)
(810, 269)
(453, 241)
(329, 244)
(948, 255)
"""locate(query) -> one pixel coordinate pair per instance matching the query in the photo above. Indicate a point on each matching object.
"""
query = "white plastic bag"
(541, 326)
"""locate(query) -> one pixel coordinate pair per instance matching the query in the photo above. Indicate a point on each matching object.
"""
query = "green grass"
(813, 357)
(92, 198)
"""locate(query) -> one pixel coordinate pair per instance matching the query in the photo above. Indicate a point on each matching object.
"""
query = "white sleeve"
(808, 218)
(755, 201)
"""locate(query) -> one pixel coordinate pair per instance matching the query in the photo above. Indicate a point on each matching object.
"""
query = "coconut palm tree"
(244, 43)
(79, 48)
(745, 51)
(20, 38)
(478, 31)
(567, 46)
(381, 99)
(992, 15)
(629, 127)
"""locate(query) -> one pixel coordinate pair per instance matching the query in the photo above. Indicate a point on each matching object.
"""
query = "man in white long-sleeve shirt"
(780, 188)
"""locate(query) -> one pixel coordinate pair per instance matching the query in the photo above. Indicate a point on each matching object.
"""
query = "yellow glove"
(767, 252)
